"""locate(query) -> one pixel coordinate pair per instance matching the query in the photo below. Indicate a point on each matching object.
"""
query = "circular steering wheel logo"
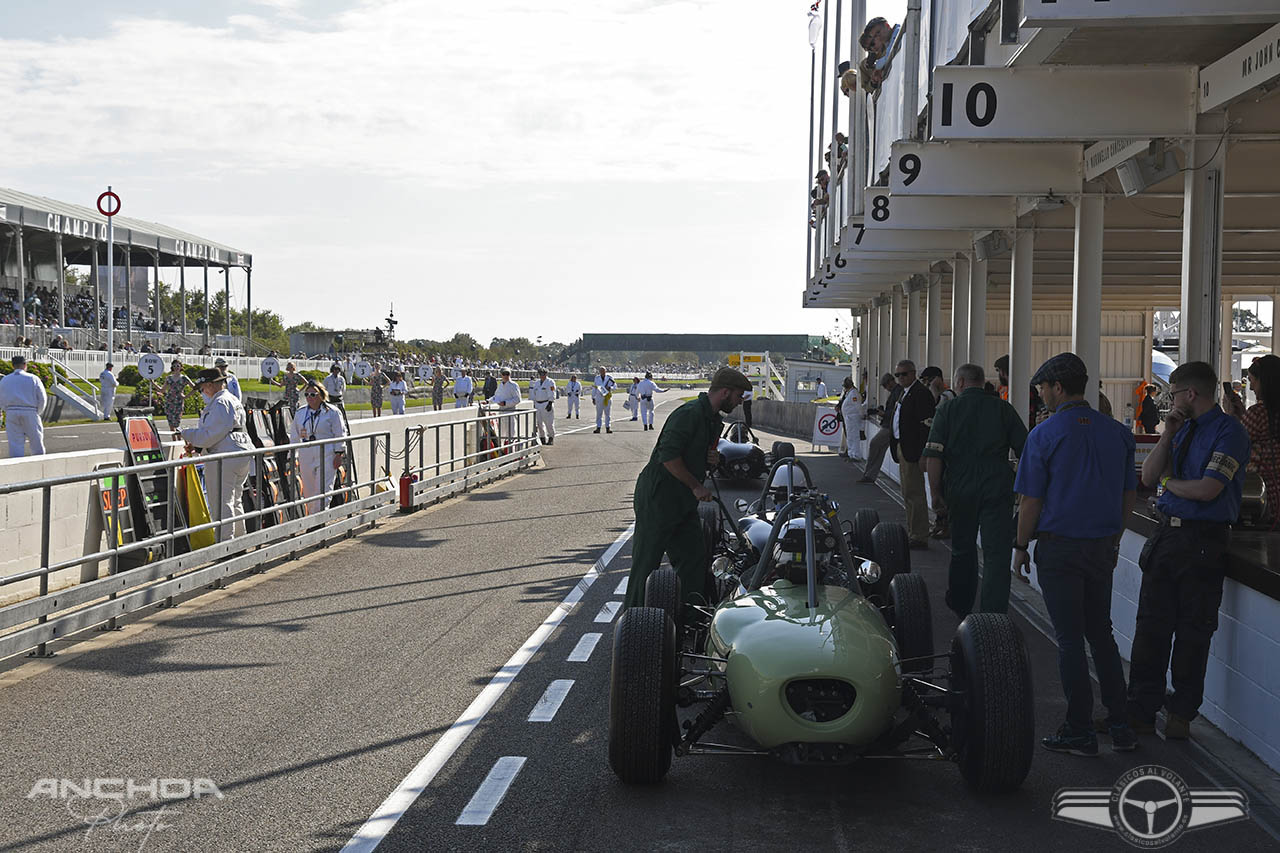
(1150, 806)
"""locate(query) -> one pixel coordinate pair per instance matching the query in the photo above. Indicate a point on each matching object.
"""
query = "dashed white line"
(622, 586)
(609, 611)
(370, 835)
(545, 709)
(491, 791)
(586, 645)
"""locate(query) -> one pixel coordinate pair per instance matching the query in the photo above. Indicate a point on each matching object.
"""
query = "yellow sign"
(734, 359)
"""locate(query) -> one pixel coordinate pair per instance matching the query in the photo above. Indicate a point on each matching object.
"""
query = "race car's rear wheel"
(864, 521)
(783, 450)
(642, 709)
(912, 621)
(662, 590)
(993, 716)
(889, 548)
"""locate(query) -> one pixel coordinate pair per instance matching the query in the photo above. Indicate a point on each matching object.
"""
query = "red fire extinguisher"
(406, 491)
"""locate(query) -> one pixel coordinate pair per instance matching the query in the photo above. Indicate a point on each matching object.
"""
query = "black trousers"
(1183, 569)
(746, 412)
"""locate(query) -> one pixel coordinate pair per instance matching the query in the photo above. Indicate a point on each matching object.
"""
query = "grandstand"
(42, 236)
(707, 348)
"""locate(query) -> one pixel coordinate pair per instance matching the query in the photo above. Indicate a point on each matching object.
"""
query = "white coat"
(316, 461)
(23, 398)
(107, 392)
(221, 430)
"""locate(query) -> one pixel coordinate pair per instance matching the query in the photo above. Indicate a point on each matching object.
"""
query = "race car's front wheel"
(889, 548)
(992, 715)
(912, 622)
(642, 708)
(662, 590)
(864, 521)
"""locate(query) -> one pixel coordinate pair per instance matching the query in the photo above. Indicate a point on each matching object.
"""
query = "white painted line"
(622, 586)
(592, 425)
(609, 611)
(545, 709)
(491, 791)
(586, 645)
(370, 835)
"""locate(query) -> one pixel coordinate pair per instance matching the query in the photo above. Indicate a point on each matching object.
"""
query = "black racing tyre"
(912, 621)
(993, 721)
(783, 450)
(864, 521)
(662, 590)
(710, 522)
(889, 548)
(642, 689)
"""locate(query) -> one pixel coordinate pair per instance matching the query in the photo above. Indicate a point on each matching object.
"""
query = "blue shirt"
(1218, 448)
(1079, 462)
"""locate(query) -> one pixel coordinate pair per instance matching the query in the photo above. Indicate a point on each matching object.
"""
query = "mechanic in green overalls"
(971, 437)
(670, 486)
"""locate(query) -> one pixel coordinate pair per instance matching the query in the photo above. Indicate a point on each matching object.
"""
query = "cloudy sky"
(508, 167)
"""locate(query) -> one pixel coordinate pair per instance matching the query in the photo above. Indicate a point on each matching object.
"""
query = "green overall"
(666, 510)
(972, 435)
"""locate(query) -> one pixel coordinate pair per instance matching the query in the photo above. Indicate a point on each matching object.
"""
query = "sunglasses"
(905, 373)
(312, 394)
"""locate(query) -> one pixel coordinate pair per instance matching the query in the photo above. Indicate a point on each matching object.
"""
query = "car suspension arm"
(702, 724)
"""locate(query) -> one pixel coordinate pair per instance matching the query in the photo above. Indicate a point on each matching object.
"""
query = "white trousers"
(462, 402)
(546, 421)
(108, 400)
(573, 410)
(602, 410)
(24, 425)
(228, 502)
(397, 405)
(635, 407)
(646, 412)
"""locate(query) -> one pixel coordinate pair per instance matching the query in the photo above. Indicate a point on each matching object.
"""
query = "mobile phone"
(1227, 390)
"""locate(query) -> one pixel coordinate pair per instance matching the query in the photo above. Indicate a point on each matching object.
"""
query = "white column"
(913, 327)
(1275, 322)
(860, 343)
(933, 326)
(1224, 357)
(886, 333)
(1086, 290)
(899, 351)
(873, 345)
(959, 315)
(1021, 368)
(1202, 240)
(978, 313)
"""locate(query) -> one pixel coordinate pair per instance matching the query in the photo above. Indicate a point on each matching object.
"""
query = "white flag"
(815, 25)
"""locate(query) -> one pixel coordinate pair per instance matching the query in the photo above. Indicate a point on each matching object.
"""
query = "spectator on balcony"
(848, 78)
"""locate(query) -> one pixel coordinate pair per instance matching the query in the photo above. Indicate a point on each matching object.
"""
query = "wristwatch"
(1018, 547)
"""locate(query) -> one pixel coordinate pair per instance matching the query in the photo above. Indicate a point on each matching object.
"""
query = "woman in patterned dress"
(377, 380)
(176, 384)
(291, 382)
(437, 389)
(1262, 420)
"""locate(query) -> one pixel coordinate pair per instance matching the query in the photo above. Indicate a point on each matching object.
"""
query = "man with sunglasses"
(910, 425)
(1199, 464)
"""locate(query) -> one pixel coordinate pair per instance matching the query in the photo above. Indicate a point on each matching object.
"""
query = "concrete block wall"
(74, 509)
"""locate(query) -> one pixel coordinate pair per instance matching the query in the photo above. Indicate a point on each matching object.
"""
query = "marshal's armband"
(1224, 464)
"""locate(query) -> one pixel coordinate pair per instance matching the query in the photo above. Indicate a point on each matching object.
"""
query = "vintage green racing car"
(816, 654)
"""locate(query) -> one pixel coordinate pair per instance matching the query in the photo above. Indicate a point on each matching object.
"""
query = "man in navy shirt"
(1200, 464)
(1078, 484)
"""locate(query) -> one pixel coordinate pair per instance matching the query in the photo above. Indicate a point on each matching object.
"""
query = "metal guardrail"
(509, 441)
(34, 622)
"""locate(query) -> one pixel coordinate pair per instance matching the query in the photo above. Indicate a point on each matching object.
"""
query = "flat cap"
(1063, 366)
(210, 374)
(727, 377)
(219, 362)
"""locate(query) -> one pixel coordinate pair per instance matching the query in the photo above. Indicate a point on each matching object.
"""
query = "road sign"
(108, 204)
(1052, 103)
(826, 428)
(151, 366)
(270, 366)
(364, 369)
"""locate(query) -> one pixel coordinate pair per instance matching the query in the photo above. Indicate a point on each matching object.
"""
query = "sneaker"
(1068, 741)
(1123, 738)
(1176, 727)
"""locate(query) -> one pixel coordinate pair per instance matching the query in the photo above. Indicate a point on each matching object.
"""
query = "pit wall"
(1242, 680)
(75, 529)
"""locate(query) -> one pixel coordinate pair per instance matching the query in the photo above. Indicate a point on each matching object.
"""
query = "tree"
(1244, 320)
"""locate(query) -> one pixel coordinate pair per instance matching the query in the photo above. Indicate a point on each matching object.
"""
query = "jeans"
(1075, 576)
(1183, 569)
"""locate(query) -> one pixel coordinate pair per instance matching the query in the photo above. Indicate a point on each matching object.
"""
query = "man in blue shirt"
(1078, 485)
(1200, 464)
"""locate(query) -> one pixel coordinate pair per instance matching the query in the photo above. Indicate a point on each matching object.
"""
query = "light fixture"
(1150, 167)
(1049, 202)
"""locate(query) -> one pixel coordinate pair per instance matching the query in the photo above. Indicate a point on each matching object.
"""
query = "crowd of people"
(1073, 487)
